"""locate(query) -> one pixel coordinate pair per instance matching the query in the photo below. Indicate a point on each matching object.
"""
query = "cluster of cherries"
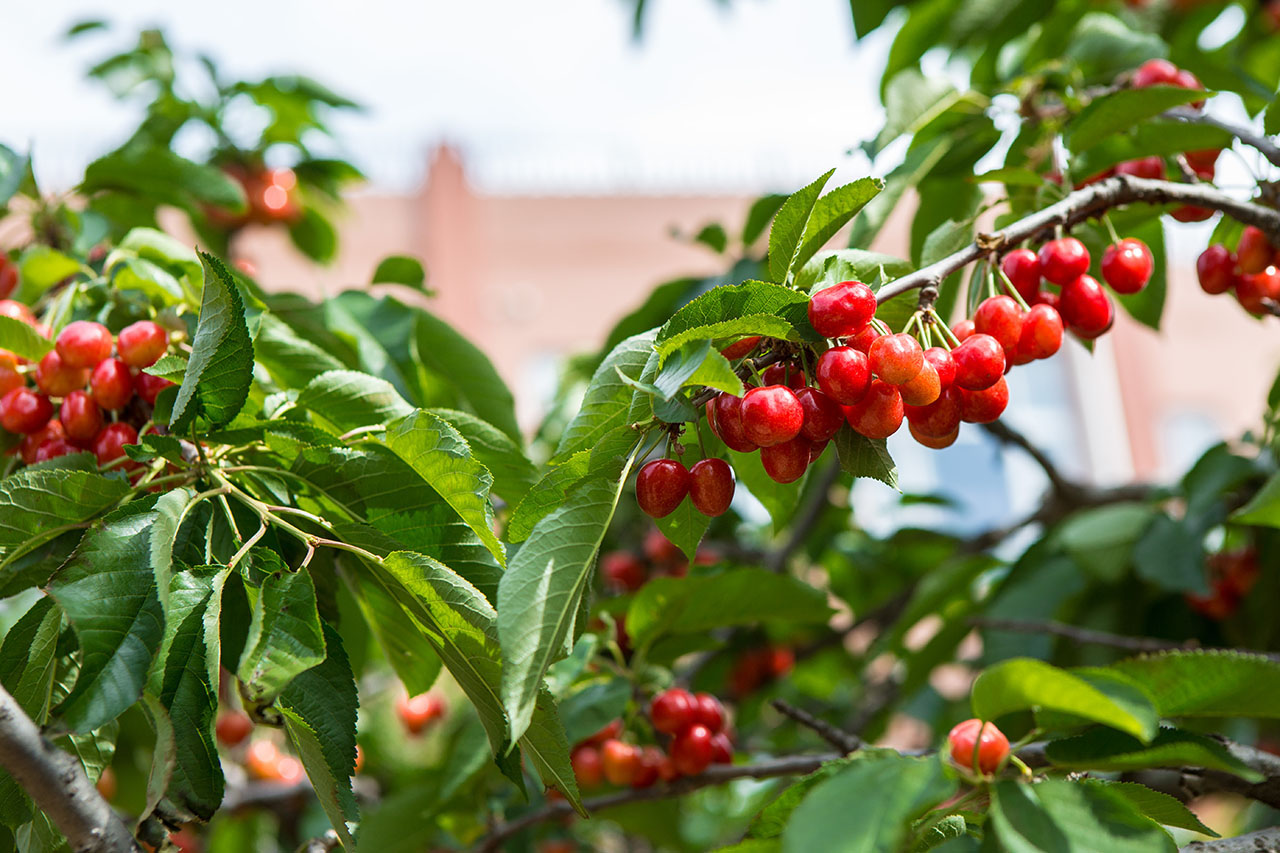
(625, 571)
(1231, 575)
(270, 194)
(1251, 272)
(979, 746)
(754, 668)
(695, 726)
(92, 388)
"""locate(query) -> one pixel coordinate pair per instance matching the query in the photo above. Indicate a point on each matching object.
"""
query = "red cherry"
(943, 363)
(1186, 80)
(588, 769)
(1155, 72)
(786, 462)
(10, 378)
(1127, 265)
(1085, 307)
(649, 769)
(672, 710)
(1022, 268)
(142, 343)
(1253, 252)
(822, 415)
(149, 387)
(975, 742)
(81, 418)
(661, 486)
(31, 443)
(963, 330)
(1041, 332)
(817, 447)
(611, 730)
(784, 373)
(1251, 290)
(1144, 167)
(54, 448)
(109, 444)
(1191, 213)
(233, 727)
(933, 442)
(1063, 260)
(728, 423)
(985, 406)
(842, 310)
(844, 374)
(621, 762)
(708, 711)
(721, 749)
(84, 344)
(979, 362)
(924, 389)
(1216, 269)
(863, 340)
(879, 414)
(711, 486)
(896, 359)
(692, 749)
(417, 712)
(939, 418)
(17, 311)
(1001, 318)
(58, 379)
(8, 277)
(771, 415)
(623, 571)
(24, 411)
(1203, 160)
(112, 384)
(658, 548)
(740, 348)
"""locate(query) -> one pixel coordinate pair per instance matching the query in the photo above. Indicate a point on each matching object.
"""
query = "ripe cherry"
(31, 443)
(1063, 260)
(588, 768)
(621, 761)
(110, 443)
(1253, 252)
(1022, 268)
(728, 423)
(1041, 332)
(233, 727)
(822, 415)
(740, 347)
(771, 415)
(721, 749)
(974, 742)
(24, 411)
(84, 343)
(1127, 265)
(863, 340)
(1204, 160)
(672, 710)
(985, 406)
(649, 769)
(1191, 213)
(623, 571)
(879, 414)
(692, 749)
(708, 711)
(660, 487)
(58, 379)
(842, 310)
(149, 387)
(939, 418)
(1144, 167)
(1001, 318)
(786, 462)
(1216, 269)
(711, 486)
(611, 729)
(844, 374)
(1155, 72)
(943, 363)
(784, 373)
(112, 384)
(933, 442)
(81, 418)
(10, 378)
(963, 330)
(817, 447)
(924, 389)
(417, 712)
(54, 448)
(979, 362)
(658, 548)
(1251, 290)
(896, 359)
(1085, 307)
(17, 311)
(8, 276)
(142, 343)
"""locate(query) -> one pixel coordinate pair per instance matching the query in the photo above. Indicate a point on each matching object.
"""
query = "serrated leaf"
(593, 706)
(513, 473)
(607, 400)
(285, 636)
(155, 173)
(548, 493)
(37, 503)
(220, 369)
(349, 399)
(1071, 818)
(911, 101)
(27, 658)
(732, 310)
(333, 791)
(865, 457)
(1107, 749)
(19, 338)
(292, 360)
(1208, 683)
(402, 639)
(1118, 111)
(1158, 806)
(696, 363)
(827, 268)
(442, 349)
(830, 214)
(789, 226)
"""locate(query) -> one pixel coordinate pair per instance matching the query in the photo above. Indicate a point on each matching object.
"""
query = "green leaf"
(348, 399)
(1105, 45)
(684, 527)
(41, 268)
(403, 641)
(889, 791)
(332, 790)
(865, 457)
(760, 214)
(607, 400)
(1118, 111)
(1169, 555)
(713, 236)
(1024, 684)
(1207, 683)
(439, 347)
(911, 101)
(314, 235)
(696, 363)
(744, 596)
(733, 310)
(27, 658)
(19, 338)
(40, 501)
(827, 268)
(548, 493)
(1071, 818)
(400, 269)
(1264, 507)
(155, 173)
(1101, 540)
(220, 370)
(920, 159)
(513, 473)
(13, 171)
(540, 594)
(285, 637)
(789, 227)
(593, 706)
(293, 361)
(116, 615)
(1158, 806)
(1107, 749)
(830, 214)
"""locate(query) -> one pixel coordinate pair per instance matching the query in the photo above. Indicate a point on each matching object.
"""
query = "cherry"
(149, 387)
(863, 340)
(692, 749)
(963, 330)
(17, 311)
(786, 462)
(879, 414)
(84, 343)
(728, 423)
(24, 411)
(822, 415)
(672, 710)
(1022, 268)
(660, 487)
(417, 712)
(1251, 290)
(610, 730)
(943, 363)
(1063, 260)
(1001, 318)
(771, 415)
(842, 310)
(659, 548)
(10, 378)
(1155, 72)
(844, 374)
(112, 384)
(939, 418)
(784, 373)
(106, 783)
(1191, 213)
(142, 343)
(985, 406)
(1216, 269)
(1253, 252)
(1144, 167)
(623, 571)
(974, 742)
(740, 347)
(979, 362)
(1127, 265)
(31, 443)
(708, 711)
(649, 769)
(620, 760)
(81, 418)
(1085, 307)
(896, 359)
(721, 749)
(8, 276)
(711, 486)
(924, 389)
(109, 444)
(816, 448)
(1186, 80)
(54, 448)
(262, 760)
(58, 379)
(233, 727)
(1203, 160)
(933, 442)
(1041, 332)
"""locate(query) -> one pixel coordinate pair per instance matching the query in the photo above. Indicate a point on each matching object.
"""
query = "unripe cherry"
(711, 486)
(1063, 260)
(771, 415)
(661, 485)
(81, 418)
(1001, 318)
(1215, 268)
(943, 363)
(786, 462)
(1041, 332)
(728, 423)
(112, 384)
(879, 414)
(933, 442)
(1253, 252)
(896, 359)
(979, 362)
(1127, 265)
(842, 310)
(23, 411)
(142, 343)
(924, 389)
(975, 742)
(692, 749)
(1022, 268)
(844, 374)
(939, 418)
(57, 378)
(822, 415)
(985, 406)
(1085, 307)
(672, 710)
(84, 343)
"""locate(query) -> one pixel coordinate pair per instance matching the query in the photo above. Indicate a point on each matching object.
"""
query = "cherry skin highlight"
(1155, 72)
(692, 749)
(896, 359)
(672, 710)
(842, 310)
(1063, 260)
(771, 415)
(1085, 307)
(979, 362)
(661, 485)
(83, 344)
(1252, 289)
(844, 374)
(711, 486)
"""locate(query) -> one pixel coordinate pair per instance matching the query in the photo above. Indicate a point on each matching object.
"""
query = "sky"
(541, 96)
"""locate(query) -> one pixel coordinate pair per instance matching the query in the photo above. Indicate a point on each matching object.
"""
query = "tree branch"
(1262, 841)
(1086, 636)
(838, 738)
(1247, 135)
(1083, 204)
(57, 783)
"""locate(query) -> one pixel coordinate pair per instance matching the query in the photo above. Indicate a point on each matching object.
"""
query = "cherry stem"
(949, 337)
(1013, 291)
(1111, 229)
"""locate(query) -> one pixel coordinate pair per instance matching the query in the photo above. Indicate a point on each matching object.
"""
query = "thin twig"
(838, 738)
(1085, 636)
(1262, 841)
(1265, 144)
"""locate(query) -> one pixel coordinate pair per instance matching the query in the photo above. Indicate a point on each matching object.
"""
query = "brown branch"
(1006, 434)
(838, 738)
(1090, 637)
(1083, 204)
(1262, 841)
(1202, 781)
(57, 783)
(1264, 144)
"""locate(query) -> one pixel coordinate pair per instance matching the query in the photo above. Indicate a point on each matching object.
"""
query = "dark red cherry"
(711, 486)
(784, 373)
(1143, 167)
(786, 462)
(672, 710)
(1253, 252)
(822, 415)
(1022, 268)
(771, 415)
(660, 487)
(729, 424)
(1216, 269)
